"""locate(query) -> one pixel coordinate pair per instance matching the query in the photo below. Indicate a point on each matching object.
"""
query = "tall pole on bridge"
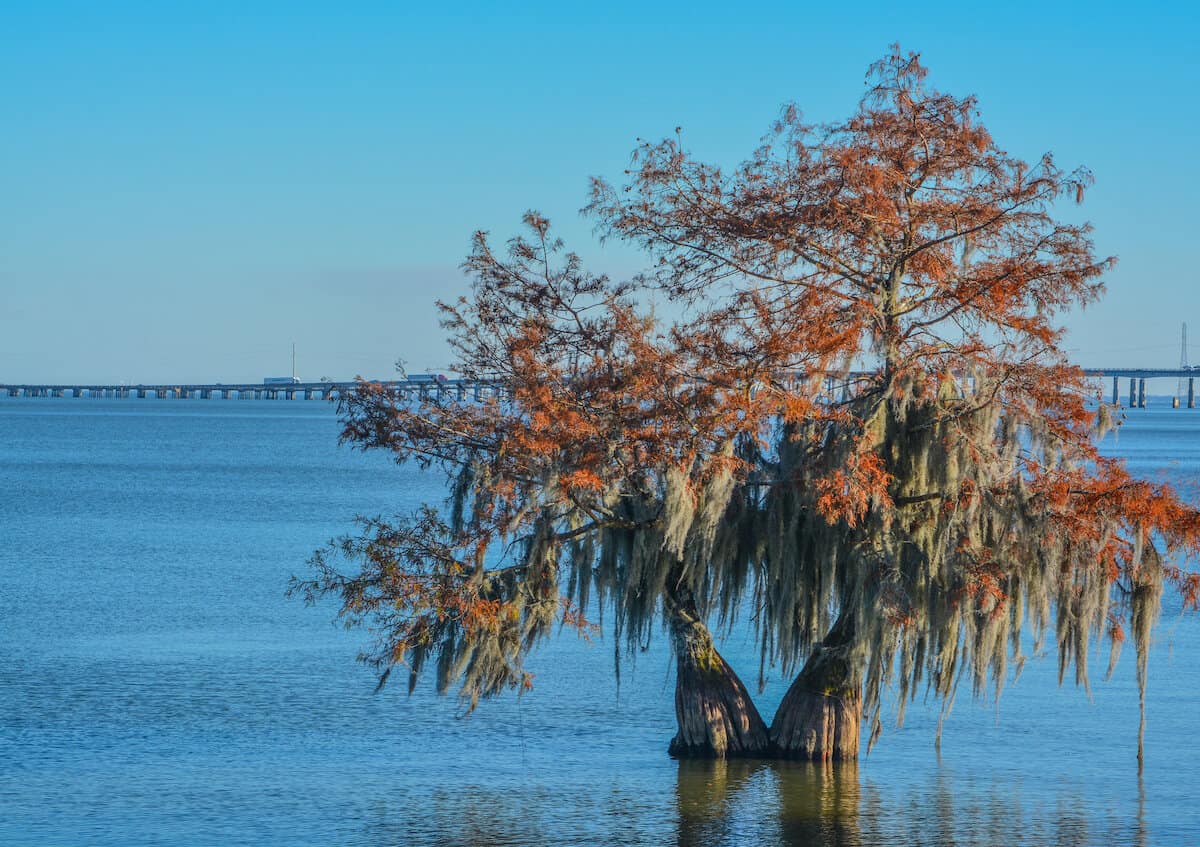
(1183, 359)
(1183, 366)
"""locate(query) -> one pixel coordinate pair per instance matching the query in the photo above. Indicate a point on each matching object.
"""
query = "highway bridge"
(461, 389)
(1137, 383)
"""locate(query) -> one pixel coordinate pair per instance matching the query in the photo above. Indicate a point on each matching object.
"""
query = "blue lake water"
(157, 688)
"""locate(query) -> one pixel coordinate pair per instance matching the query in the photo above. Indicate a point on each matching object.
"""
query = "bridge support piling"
(1191, 392)
(1116, 392)
(1133, 393)
(1141, 393)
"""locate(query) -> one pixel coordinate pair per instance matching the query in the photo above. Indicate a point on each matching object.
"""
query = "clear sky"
(186, 189)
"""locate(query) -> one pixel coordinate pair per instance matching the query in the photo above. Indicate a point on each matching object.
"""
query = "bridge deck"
(452, 387)
(256, 390)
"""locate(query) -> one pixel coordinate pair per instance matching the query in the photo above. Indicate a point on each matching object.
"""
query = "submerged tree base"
(817, 727)
(820, 717)
(717, 718)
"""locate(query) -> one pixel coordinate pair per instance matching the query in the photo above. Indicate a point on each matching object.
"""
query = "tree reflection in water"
(816, 804)
(801, 804)
(758, 802)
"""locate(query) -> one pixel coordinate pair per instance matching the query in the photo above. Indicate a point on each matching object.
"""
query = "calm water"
(157, 687)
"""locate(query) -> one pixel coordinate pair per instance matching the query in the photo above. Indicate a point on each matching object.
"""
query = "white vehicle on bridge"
(281, 380)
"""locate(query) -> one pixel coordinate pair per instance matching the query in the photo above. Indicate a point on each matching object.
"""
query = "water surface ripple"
(158, 689)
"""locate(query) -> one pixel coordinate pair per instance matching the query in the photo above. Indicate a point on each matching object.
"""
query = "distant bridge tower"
(1188, 383)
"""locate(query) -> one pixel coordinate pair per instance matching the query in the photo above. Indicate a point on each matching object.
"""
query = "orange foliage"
(901, 244)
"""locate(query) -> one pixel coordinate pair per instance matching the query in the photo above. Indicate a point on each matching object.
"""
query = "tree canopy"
(906, 529)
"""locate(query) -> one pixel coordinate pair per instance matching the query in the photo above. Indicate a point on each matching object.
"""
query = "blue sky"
(189, 188)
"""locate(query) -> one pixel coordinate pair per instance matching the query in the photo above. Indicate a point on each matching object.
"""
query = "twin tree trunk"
(821, 714)
(716, 717)
(819, 718)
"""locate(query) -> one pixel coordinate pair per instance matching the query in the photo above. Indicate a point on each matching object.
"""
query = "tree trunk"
(716, 717)
(821, 714)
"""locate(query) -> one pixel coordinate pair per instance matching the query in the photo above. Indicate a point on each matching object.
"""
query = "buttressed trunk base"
(717, 719)
(820, 717)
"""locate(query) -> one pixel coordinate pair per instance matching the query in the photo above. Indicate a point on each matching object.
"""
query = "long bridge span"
(1137, 383)
(451, 388)
(462, 389)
